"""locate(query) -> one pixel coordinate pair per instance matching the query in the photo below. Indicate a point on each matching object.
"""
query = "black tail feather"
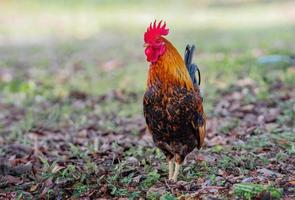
(192, 68)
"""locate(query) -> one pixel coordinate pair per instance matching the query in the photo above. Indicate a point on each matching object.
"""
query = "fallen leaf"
(57, 168)
(34, 188)
(267, 172)
(13, 180)
(292, 183)
(200, 158)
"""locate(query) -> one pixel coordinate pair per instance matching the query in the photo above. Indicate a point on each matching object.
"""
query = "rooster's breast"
(171, 117)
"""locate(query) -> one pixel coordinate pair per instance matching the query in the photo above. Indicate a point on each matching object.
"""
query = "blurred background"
(49, 48)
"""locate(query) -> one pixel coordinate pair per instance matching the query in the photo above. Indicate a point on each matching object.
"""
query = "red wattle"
(153, 54)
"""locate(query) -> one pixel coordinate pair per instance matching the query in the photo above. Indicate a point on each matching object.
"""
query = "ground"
(71, 88)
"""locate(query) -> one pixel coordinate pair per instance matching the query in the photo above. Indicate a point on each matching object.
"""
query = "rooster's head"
(153, 41)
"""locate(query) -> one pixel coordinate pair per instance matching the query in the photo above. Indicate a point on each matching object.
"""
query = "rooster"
(172, 103)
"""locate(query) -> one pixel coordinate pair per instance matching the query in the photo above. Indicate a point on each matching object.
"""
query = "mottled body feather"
(173, 120)
(173, 106)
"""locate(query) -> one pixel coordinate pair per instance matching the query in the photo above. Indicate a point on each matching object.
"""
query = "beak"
(145, 45)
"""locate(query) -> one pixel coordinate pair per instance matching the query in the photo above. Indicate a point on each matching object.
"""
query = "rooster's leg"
(176, 172)
(171, 168)
(178, 161)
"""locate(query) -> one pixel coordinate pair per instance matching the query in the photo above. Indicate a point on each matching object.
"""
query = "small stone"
(267, 172)
(247, 180)
(132, 160)
(157, 189)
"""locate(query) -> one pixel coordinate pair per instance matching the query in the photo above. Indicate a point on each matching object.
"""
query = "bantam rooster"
(172, 102)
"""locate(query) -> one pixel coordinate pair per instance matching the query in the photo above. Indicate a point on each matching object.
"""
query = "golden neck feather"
(169, 69)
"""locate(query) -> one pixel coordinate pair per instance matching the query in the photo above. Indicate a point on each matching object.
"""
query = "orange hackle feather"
(169, 69)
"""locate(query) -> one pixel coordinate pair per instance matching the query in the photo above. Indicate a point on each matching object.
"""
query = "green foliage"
(19, 86)
(79, 189)
(151, 178)
(227, 162)
(168, 196)
(249, 190)
(134, 195)
(153, 196)
(128, 179)
(76, 151)
(217, 148)
(68, 172)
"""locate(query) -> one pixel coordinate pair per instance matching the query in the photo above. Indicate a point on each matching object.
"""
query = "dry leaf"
(57, 168)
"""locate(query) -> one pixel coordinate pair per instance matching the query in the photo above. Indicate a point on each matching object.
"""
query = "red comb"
(154, 31)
